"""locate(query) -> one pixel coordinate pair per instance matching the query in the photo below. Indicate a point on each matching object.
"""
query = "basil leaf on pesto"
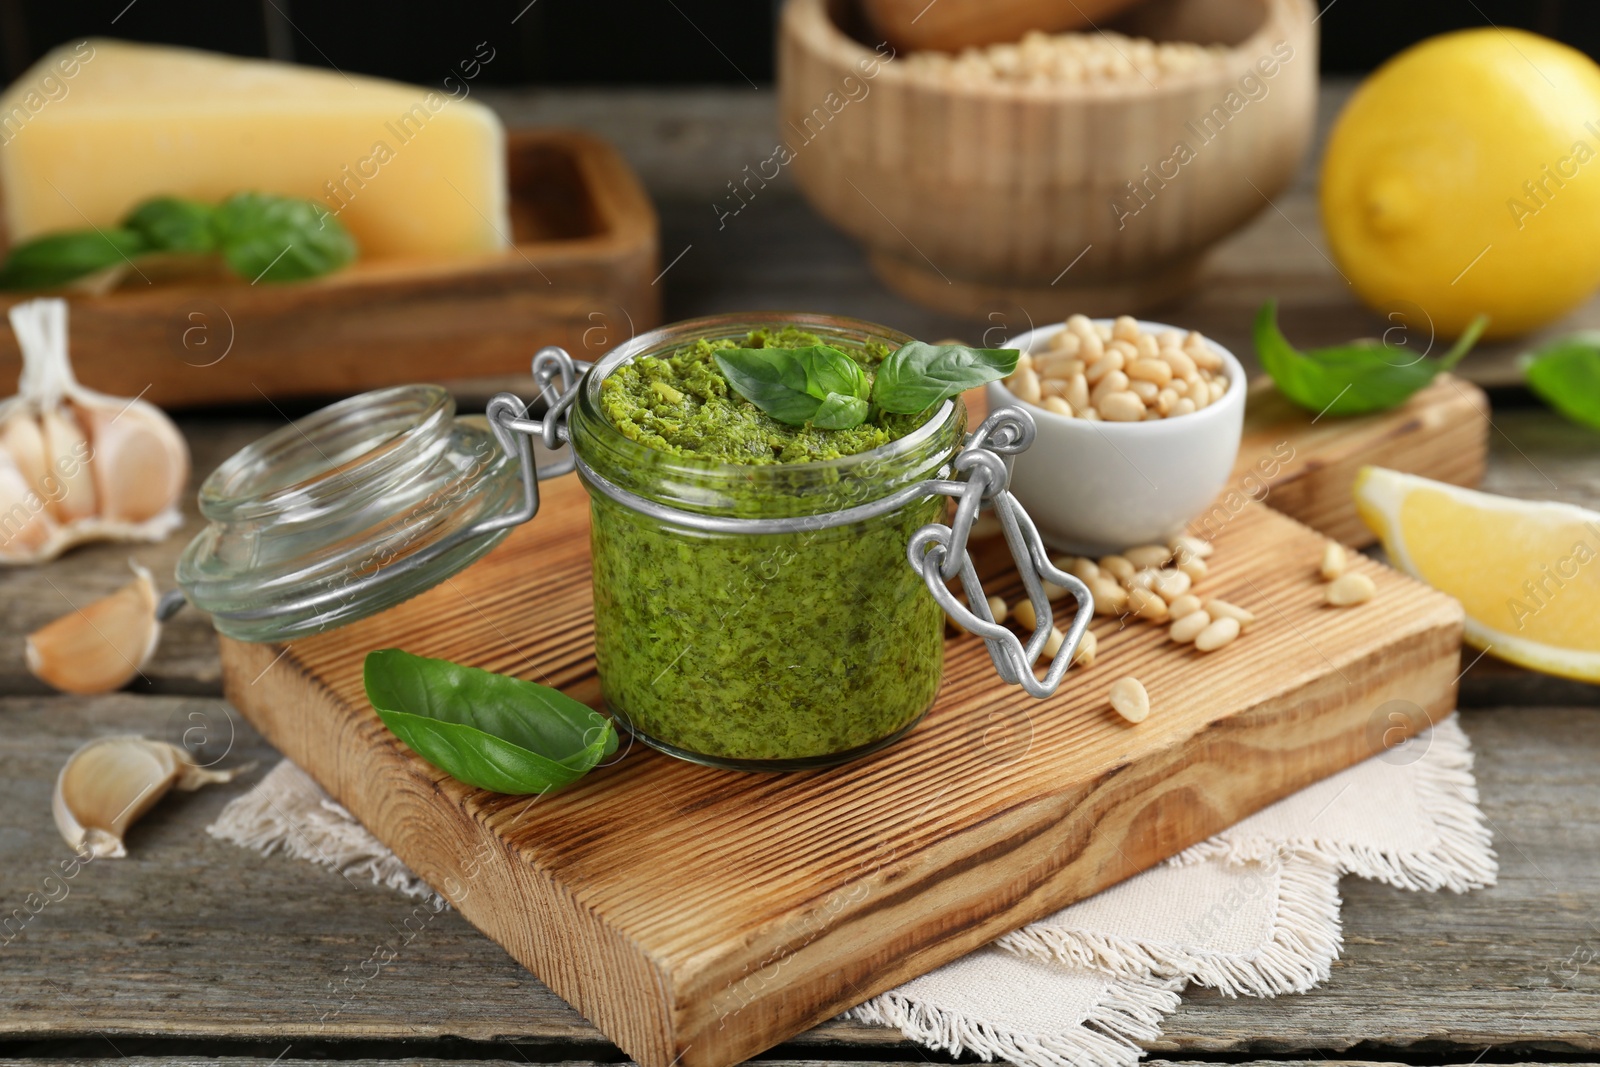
(489, 730)
(1566, 375)
(917, 376)
(1350, 379)
(840, 412)
(792, 384)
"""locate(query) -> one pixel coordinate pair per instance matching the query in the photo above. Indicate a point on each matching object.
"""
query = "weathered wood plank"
(193, 938)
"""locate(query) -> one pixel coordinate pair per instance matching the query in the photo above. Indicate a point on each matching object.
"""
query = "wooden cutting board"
(701, 916)
(579, 275)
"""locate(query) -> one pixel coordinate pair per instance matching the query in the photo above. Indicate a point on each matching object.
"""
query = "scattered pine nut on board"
(585, 887)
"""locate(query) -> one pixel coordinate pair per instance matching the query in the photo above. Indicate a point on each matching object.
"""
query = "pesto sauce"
(682, 404)
(757, 647)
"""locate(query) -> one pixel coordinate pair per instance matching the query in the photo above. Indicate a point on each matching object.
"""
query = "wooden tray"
(702, 916)
(579, 276)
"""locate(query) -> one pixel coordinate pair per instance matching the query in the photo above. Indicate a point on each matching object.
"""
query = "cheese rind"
(94, 128)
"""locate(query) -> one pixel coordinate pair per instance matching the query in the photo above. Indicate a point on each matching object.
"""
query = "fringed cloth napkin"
(1253, 911)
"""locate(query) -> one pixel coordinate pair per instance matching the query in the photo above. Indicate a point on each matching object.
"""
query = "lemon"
(1527, 573)
(1463, 176)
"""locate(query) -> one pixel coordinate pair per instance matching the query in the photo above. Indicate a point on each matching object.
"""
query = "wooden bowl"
(1060, 199)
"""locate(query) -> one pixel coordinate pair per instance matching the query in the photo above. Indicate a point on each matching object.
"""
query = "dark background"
(621, 42)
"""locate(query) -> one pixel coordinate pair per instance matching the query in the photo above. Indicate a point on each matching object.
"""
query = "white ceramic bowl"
(1098, 487)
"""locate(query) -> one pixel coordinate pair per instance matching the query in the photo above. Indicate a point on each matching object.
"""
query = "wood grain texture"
(1442, 432)
(136, 949)
(1062, 198)
(581, 270)
(956, 24)
(813, 891)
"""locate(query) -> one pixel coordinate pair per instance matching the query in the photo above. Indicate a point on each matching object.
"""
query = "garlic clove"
(101, 646)
(67, 449)
(25, 523)
(107, 784)
(23, 441)
(141, 462)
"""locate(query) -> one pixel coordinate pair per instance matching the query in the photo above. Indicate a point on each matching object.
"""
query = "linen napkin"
(1252, 911)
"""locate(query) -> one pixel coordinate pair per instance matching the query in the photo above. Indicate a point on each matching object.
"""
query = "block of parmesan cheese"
(95, 127)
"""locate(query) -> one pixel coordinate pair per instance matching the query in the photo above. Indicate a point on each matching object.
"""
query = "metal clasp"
(508, 419)
(939, 553)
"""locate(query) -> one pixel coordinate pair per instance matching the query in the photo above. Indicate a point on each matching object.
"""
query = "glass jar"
(763, 617)
(787, 649)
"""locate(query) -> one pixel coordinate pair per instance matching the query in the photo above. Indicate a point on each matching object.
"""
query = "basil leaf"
(169, 224)
(1350, 379)
(840, 412)
(917, 376)
(57, 258)
(280, 238)
(1566, 375)
(771, 379)
(829, 370)
(486, 729)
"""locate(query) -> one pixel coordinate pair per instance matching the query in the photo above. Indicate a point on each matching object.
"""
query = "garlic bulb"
(77, 465)
(100, 646)
(108, 784)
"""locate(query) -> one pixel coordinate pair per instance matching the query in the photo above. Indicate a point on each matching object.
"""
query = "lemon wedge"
(1526, 572)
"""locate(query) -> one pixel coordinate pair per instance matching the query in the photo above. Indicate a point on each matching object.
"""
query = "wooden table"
(193, 949)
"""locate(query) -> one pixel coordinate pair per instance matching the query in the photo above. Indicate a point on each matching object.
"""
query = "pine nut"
(1103, 331)
(997, 606)
(1147, 346)
(1090, 347)
(1165, 398)
(1024, 615)
(1088, 648)
(1058, 406)
(1187, 604)
(1082, 569)
(1148, 555)
(1150, 370)
(1080, 325)
(1129, 699)
(1051, 386)
(1181, 362)
(1120, 407)
(1089, 414)
(1053, 643)
(1024, 361)
(1178, 387)
(1129, 350)
(1171, 339)
(1194, 567)
(1189, 626)
(1125, 328)
(1184, 406)
(1333, 561)
(1217, 386)
(1055, 366)
(1025, 384)
(1219, 609)
(1145, 391)
(1119, 567)
(1077, 394)
(1219, 633)
(1066, 343)
(1109, 597)
(1350, 589)
(1184, 544)
(1143, 578)
(1146, 604)
(1112, 382)
(1171, 584)
(1111, 361)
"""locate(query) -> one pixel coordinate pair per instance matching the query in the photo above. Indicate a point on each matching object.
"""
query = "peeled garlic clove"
(108, 784)
(141, 463)
(68, 448)
(101, 646)
(25, 523)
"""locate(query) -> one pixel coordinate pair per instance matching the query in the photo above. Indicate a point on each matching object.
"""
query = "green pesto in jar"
(681, 404)
(770, 647)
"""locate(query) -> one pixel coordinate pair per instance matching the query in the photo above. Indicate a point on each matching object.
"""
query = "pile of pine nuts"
(1119, 373)
(1044, 59)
